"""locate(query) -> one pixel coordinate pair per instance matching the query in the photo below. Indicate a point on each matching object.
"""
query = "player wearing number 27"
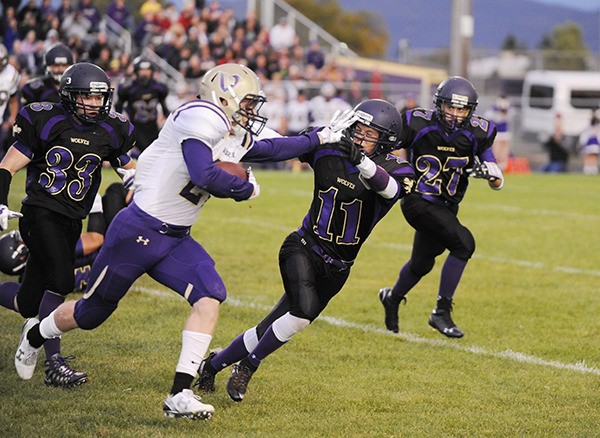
(445, 146)
(175, 177)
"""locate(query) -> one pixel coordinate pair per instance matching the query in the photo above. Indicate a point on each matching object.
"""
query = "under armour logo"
(141, 239)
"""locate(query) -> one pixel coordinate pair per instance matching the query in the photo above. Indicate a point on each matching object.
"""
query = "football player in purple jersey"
(63, 145)
(176, 175)
(45, 88)
(140, 97)
(445, 146)
(356, 183)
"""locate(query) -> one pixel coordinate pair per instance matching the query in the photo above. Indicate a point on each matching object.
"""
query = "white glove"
(128, 176)
(252, 180)
(487, 170)
(340, 121)
(5, 215)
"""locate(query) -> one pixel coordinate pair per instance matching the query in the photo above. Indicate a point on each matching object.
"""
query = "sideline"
(514, 356)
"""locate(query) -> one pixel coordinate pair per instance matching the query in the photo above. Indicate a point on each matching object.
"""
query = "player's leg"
(423, 216)
(190, 271)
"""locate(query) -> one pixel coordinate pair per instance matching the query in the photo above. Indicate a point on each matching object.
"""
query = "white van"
(572, 94)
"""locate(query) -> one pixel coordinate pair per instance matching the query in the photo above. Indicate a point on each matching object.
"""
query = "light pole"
(461, 31)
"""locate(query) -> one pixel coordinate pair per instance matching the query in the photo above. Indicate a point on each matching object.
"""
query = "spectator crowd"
(302, 85)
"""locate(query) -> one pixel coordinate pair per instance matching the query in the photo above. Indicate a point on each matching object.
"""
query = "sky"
(584, 5)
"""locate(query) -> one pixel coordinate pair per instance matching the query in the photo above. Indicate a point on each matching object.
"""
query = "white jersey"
(322, 110)
(163, 185)
(9, 82)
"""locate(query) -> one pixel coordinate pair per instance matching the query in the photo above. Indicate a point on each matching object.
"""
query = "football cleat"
(391, 308)
(26, 355)
(441, 320)
(241, 374)
(206, 381)
(60, 375)
(186, 404)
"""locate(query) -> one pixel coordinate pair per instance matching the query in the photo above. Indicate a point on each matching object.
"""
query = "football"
(233, 168)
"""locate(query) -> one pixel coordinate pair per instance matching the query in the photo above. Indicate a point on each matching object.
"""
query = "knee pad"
(93, 311)
(464, 251)
(288, 325)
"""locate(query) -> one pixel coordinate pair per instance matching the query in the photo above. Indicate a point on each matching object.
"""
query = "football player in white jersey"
(9, 105)
(175, 176)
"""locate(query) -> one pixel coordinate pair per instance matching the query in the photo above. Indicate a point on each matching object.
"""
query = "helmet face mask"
(455, 92)
(238, 92)
(80, 83)
(13, 253)
(381, 116)
(57, 59)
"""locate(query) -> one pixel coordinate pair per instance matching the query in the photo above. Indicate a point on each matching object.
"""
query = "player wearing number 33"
(175, 177)
(63, 146)
(445, 146)
(356, 182)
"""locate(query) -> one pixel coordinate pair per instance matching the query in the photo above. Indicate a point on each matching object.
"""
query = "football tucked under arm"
(233, 168)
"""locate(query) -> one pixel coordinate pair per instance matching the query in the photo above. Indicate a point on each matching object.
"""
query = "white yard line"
(514, 356)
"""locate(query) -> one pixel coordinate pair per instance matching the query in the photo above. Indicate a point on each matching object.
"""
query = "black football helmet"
(3, 56)
(57, 55)
(83, 79)
(384, 117)
(13, 253)
(456, 92)
(142, 63)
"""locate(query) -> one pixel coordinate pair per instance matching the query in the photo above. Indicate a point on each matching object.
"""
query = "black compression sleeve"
(5, 179)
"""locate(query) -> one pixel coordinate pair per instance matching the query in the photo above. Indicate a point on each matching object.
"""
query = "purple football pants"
(136, 244)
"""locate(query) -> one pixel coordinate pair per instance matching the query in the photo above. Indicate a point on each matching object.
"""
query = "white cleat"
(26, 356)
(186, 404)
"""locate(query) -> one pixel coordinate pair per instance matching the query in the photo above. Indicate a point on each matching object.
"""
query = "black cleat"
(206, 381)
(60, 375)
(241, 374)
(441, 320)
(391, 308)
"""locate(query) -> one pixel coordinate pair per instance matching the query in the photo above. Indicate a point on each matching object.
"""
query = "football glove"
(350, 150)
(334, 132)
(486, 170)
(5, 215)
(128, 176)
(252, 180)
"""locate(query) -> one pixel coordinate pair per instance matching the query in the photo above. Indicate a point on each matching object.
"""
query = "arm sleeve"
(205, 175)
(282, 148)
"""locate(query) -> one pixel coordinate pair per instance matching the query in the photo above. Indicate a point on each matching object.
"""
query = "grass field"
(529, 304)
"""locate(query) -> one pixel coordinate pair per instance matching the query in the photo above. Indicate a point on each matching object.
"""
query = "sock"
(234, 352)
(451, 274)
(406, 281)
(267, 345)
(50, 301)
(180, 382)
(8, 292)
(79, 248)
(48, 328)
(194, 346)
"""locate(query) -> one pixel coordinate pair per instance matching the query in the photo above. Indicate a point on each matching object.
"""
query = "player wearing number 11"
(356, 182)
(445, 146)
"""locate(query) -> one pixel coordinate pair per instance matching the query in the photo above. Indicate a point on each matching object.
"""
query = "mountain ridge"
(527, 20)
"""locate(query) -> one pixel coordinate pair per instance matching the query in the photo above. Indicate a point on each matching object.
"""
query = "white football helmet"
(236, 90)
